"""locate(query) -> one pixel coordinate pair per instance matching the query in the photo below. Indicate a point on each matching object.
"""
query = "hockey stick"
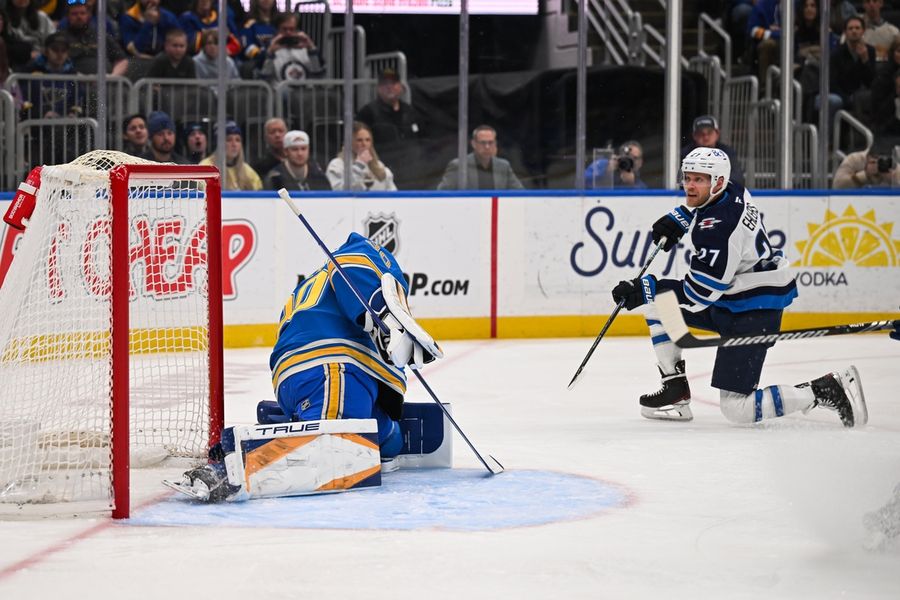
(677, 329)
(613, 316)
(490, 463)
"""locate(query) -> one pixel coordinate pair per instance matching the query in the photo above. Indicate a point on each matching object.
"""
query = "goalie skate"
(183, 487)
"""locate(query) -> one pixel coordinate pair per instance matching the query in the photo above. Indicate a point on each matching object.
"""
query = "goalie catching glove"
(405, 342)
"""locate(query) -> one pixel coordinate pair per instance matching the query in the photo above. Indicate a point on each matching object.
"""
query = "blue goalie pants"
(737, 368)
(338, 391)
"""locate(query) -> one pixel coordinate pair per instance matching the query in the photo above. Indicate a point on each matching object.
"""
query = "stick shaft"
(612, 317)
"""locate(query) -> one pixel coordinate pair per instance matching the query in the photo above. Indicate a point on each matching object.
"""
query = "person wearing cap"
(135, 135)
(238, 174)
(705, 133)
(83, 40)
(196, 142)
(297, 171)
(161, 128)
(398, 129)
(44, 99)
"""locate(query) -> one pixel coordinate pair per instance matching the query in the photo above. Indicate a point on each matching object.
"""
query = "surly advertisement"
(843, 249)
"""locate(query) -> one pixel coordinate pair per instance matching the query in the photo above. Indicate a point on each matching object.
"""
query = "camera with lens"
(290, 41)
(626, 164)
(884, 164)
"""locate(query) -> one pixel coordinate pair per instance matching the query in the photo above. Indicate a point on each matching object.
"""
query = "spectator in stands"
(807, 37)
(205, 17)
(853, 68)
(173, 63)
(879, 33)
(872, 168)
(367, 172)
(196, 142)
(841, 10)
(238, 174)
(298, 171)
(16, 51)
(398, 129)
(83, 44)
(737, 15)
(162, 139)
(274, 130)
(136, 136)
(206, 63)
(622, 172)
(485, 170)
(883, 83)
(258, 31)
(143, 28)
(706, 134)
(886, 114)
(764, 30)
(112, 10)
(291, 54)
(29, 24)
(45, 99)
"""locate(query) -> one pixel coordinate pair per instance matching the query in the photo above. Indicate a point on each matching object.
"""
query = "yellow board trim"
(475, 328)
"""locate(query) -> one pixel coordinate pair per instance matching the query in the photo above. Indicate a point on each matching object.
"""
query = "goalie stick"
(490, 463)
(677, 329)
(612, 317)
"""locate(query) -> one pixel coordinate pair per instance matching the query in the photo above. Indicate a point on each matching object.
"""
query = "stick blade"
(673, 322)
(493, 465)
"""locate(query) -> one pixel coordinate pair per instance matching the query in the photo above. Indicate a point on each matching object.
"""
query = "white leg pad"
(764, 403)
(306, 457)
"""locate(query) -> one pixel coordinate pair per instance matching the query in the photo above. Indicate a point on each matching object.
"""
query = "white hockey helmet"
(711, 161)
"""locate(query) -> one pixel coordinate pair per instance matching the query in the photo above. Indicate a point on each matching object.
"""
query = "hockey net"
(113, 240)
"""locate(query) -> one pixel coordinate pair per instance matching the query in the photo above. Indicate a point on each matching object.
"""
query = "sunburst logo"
(849, 239)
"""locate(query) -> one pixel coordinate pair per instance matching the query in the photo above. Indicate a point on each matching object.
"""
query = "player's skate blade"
(680, 411)
(187, 489)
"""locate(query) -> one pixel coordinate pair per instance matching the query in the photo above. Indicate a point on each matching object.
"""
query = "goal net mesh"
(56, 329)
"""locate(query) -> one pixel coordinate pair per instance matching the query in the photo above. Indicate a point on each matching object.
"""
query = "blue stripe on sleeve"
(758, 402)
(652, 322)
(694, 296)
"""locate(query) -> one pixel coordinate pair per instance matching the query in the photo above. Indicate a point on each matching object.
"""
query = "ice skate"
(672, 401)
(841, 391)
(206, 484)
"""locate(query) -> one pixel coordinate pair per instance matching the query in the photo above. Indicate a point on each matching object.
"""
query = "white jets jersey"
(733, 265)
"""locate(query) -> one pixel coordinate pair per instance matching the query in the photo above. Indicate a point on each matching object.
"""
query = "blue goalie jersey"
(733, 265)
(321, 322)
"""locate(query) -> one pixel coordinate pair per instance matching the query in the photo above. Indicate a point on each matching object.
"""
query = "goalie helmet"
(710, 161)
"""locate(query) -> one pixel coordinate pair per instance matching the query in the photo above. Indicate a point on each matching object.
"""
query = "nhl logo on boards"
(382, 230)
(708, 223)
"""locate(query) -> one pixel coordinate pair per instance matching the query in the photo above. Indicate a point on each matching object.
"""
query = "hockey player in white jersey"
(737, 284)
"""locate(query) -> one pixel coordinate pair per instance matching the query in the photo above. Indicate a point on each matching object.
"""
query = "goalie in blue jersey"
(330, 360)
(333, 371)
(737, 284)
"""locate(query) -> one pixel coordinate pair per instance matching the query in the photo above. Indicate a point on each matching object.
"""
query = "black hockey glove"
(895, 334)
(635, 292)
(672, 226)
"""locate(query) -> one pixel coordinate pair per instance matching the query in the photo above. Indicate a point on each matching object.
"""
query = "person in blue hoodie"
(49, 98)
(144, 26)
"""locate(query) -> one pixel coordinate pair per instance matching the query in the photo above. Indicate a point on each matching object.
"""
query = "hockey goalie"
(339, 383)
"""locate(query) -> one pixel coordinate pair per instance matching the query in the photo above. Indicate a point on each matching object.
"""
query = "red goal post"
(110, 333)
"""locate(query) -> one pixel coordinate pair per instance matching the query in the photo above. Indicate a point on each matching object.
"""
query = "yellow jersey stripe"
(353, 353)
(334, 392)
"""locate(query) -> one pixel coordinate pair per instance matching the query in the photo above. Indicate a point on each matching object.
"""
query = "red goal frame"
(119, 179)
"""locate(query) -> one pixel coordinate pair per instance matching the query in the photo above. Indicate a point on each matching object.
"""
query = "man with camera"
(872, 168)
(624, 169)
(291, 55)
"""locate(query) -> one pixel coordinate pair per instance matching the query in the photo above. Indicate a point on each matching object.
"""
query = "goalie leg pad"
(306, 457)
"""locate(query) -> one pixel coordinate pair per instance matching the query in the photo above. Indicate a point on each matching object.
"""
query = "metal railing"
(52, 141)
(376, 63)
(773, 76)
(8, 174)
(807, 171)
(620, 30)
(711, 69)
(738, 116)
(855, 128)
(705, 21)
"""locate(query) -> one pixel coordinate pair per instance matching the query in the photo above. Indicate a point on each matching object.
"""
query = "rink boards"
(539, 264)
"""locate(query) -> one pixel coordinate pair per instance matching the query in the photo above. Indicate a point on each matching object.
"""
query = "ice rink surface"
(677, 510)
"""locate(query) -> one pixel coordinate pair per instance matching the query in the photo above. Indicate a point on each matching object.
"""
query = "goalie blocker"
(280, 457)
